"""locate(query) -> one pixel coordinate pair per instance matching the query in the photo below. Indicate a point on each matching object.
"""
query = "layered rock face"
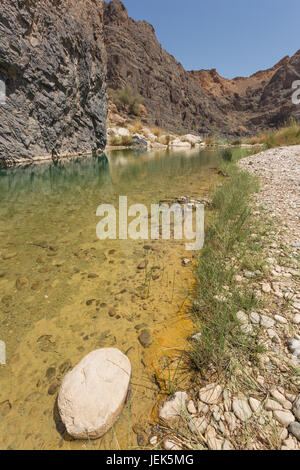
(173, 98)
(195, 101)
(263, 100)
(53, 66)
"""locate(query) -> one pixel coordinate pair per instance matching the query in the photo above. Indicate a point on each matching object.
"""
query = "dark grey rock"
(53, 65)
(294, 429)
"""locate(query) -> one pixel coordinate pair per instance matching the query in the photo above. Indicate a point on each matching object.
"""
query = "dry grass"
(157, 131)
(211, 140)
(136, 127)
(285, 136)
(123, 141)
(165, 139)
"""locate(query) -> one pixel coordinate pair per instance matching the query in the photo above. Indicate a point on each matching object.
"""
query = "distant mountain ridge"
(200, 101)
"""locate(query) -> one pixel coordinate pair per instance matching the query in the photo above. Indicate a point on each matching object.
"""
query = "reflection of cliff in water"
(81, 174)
(132, 167)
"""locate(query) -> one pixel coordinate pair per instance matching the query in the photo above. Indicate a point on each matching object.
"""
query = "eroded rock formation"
(53, 63)
(173, 98)
(196, 101)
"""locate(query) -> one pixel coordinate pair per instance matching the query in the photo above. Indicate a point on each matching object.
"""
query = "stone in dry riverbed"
(210, 395)
(294, 429)
(93, 394)
(242, 410)
(284, 417)
(173, 408)
(296, 408)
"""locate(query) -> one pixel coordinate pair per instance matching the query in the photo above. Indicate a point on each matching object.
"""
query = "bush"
(165, 139)
(157, 131)
(227, 155)
(126, 100)
(211, 140)
(123, 141)
(284, 136)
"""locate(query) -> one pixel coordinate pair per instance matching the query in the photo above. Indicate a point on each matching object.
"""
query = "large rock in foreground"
(53, 67)
(93, 394)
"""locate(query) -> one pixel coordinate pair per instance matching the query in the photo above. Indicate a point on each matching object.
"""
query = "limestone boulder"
(92, 395)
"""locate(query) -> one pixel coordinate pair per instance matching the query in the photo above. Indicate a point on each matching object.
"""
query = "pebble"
(296, 408)
(255, 318)
(212, 441)
(145, 338)
(294, 429)
(8, 256)
(267, 322)
(186, 261)
(230, 420)
(153, 440)
(281, 319)
(293, 345)
(191, 407)
(296, 319)
(22, 283)
(273, 335)
(198, 425)
(272, 405)
(242, 317)
(210, 394)
(203, 408)
(289, 444)
(281, 399)
(284, 417)
(241, 409)
(174, 407)
(254, 404)
(5, 408)
(170, 444)
(266, 288)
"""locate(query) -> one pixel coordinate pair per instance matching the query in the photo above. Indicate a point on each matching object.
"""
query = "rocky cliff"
(198, 101)
(173, 98)
(263, 100)
(53, 65)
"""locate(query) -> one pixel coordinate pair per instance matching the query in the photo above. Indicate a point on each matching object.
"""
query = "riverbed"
(64, 292)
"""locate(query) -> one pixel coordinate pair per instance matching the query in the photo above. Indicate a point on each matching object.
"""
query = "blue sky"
(237, 37)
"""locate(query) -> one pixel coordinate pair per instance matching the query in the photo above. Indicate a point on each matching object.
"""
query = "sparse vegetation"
(227, 155)
(166, 139)
(157, 131)
(211, 140)
(123, 141)
(218, 297)
(127, 100)
(136, 127)
(287, 135)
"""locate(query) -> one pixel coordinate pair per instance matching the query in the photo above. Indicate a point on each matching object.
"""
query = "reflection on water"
(64, 293)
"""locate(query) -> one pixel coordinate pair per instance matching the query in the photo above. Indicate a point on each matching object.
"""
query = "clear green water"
(64, 293)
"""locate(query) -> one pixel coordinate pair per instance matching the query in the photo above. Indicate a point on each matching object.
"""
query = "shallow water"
(65, 293)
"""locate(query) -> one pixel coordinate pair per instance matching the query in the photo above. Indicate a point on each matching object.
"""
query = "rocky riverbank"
(258, 405)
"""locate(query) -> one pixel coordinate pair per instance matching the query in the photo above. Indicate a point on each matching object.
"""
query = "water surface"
(64, 293)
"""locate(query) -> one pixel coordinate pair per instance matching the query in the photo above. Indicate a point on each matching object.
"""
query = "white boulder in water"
(92, 395)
